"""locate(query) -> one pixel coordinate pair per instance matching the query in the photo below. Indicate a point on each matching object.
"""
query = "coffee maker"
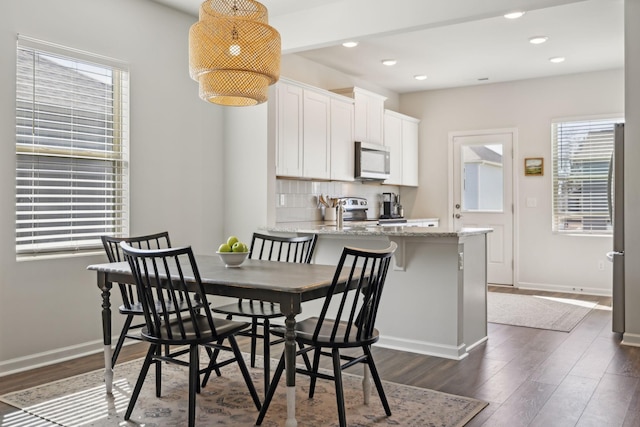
(390, 206)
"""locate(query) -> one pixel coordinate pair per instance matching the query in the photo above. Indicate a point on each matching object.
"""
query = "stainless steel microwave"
(372, 162)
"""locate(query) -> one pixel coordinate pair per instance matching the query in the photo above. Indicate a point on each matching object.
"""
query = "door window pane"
(483, 178)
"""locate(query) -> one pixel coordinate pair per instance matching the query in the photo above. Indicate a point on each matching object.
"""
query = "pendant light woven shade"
(234, 54)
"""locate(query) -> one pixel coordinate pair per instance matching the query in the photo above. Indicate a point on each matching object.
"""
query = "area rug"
(82, 401)
(535, 311)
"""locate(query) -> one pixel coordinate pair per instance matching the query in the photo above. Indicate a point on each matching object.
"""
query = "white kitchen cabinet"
(369, 114)
(342, 141)
(288, 130)
(313, 133)
(410, 151)
(316, 130)
(401, 136)
(393, 140)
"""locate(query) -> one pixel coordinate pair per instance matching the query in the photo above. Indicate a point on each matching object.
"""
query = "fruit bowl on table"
(232, 259)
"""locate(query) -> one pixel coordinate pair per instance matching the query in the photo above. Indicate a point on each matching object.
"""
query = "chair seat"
(306, 328)
(249, 308)
(224, 328)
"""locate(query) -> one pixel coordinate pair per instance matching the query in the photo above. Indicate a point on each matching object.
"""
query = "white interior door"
(483, 195)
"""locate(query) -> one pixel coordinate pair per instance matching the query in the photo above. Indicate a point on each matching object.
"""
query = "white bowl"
(233, 259)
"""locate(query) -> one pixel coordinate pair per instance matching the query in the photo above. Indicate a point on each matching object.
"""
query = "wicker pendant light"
(234, 54)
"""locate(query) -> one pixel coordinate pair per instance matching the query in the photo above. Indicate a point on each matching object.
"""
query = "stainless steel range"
(355, 208)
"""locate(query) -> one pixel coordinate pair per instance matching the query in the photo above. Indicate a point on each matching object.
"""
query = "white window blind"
(71, 149)
(581, 155)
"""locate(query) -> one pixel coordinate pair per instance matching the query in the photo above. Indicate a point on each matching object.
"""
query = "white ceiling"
(454, 42)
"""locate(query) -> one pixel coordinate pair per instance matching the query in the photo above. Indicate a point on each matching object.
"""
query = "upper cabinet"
(369, 114)
(401, 136)
(342, 141)
(313, 133)
(316, 144)
(288, 130)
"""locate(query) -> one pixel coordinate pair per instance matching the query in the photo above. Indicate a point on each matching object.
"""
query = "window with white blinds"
(72, 135)
(582, 151)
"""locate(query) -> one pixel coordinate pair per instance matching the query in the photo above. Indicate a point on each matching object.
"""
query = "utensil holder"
(329, 214)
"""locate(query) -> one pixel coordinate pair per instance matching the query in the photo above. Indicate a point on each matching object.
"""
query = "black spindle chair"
(131, 306)
(192, 327)
(273, 248)
(346, 321)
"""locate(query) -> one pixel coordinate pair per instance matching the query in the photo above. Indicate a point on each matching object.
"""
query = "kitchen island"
(435, 298)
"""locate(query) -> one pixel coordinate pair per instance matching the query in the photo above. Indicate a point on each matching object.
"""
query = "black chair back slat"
(114, 254)
(283, 249)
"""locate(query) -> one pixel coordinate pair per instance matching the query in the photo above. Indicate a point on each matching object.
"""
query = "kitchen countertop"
(371, 228)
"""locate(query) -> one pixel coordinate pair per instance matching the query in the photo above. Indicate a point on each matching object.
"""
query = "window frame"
(70, 158)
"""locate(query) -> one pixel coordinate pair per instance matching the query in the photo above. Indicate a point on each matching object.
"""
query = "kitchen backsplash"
(298, 200)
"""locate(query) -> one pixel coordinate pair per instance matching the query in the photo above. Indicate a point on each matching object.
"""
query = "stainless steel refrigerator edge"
(616, 212)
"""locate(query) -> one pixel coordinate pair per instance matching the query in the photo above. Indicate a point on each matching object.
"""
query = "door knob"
(457, 205)
(458, 216)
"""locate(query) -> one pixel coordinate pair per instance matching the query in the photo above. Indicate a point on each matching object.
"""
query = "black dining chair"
(273, 248)
(131, 307)
(346, 321)
(175, 269)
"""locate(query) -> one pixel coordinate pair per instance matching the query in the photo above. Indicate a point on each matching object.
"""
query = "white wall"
(632, 172)
(544, 260)
(50, 309)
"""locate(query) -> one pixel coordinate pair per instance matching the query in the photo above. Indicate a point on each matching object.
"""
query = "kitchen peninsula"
(435, 298)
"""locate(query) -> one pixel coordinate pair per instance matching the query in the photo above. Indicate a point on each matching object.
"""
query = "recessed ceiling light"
(557, 59)
(514, 15)
(538, 39)
(350, 44)
(420, 77)
(389, 62)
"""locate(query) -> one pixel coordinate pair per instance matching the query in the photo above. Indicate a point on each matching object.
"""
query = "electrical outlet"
(600, 265)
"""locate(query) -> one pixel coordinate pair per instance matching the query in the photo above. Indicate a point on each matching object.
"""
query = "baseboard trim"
(426, 348)
(630, 339)
(38, 360)
(565, 289)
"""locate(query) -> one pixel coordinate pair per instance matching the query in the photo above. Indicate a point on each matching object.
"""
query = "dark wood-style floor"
(530, 377)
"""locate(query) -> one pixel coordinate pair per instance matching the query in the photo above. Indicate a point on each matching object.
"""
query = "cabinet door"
(375, 120)
(369, 116)
(410, 152)
(316, 145)
(393, 140)
(361, 110)
(342, 141)
(289, 154)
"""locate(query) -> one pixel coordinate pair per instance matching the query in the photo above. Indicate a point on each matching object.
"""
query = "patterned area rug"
(557, 314)
(81, 401)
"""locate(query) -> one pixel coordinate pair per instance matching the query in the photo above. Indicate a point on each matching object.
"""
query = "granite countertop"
(371, 228)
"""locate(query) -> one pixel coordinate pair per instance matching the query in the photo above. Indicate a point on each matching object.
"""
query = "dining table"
(288, 284)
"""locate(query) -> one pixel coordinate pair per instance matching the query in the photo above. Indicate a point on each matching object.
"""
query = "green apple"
(239, 247)
(232, 240)
(224, 248)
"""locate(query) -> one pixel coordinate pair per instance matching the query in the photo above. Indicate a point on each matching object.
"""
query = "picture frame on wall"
(534, 166)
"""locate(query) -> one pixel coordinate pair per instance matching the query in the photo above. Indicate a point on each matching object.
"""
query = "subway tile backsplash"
(298, 200)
